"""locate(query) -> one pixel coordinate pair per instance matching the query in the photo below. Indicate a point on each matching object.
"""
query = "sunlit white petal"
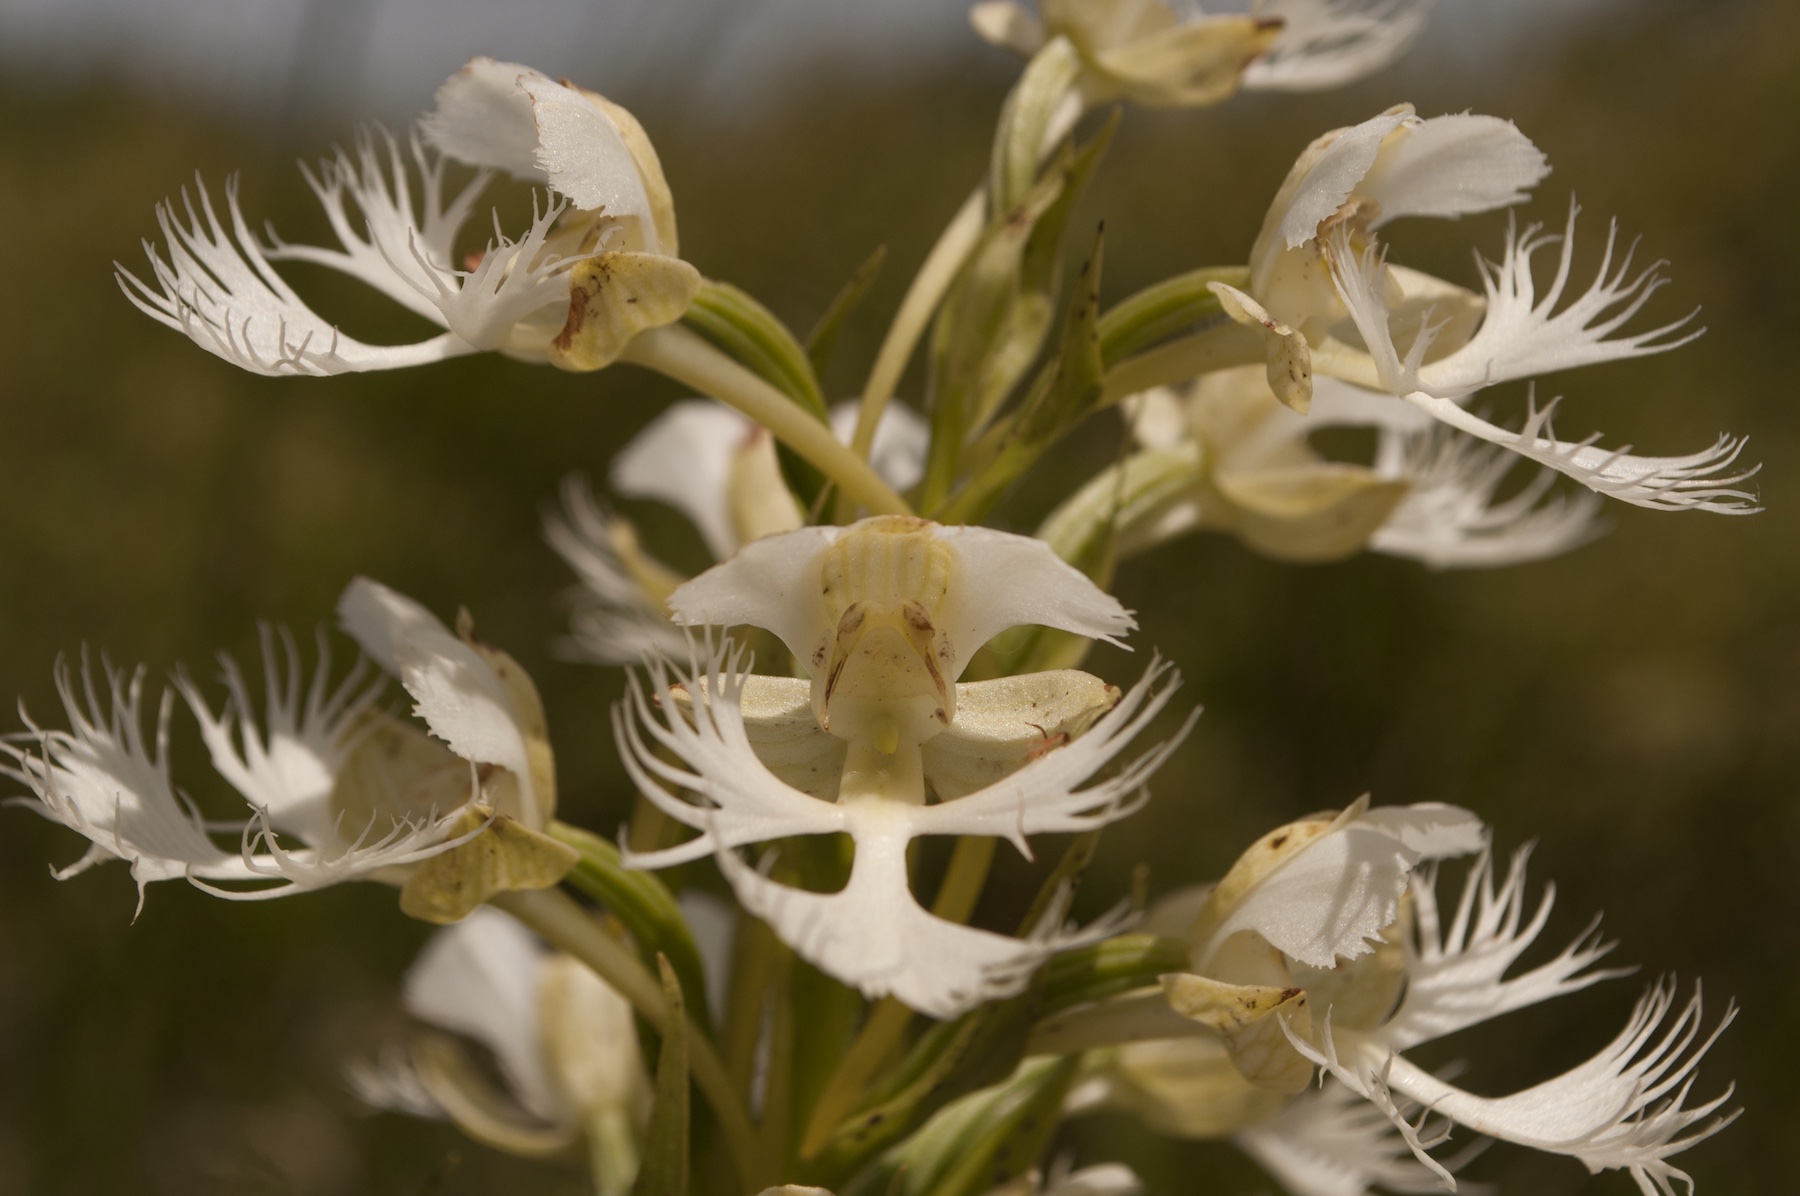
(217, 287)
(872, 934)
(286, 767)
(1450, 518)
(1332, 1142)
(1456, 973)
(1527, 338)
(1329, 899)
(1452, 166)
(511, 117)
(459, 693)
(385, 243)
(103, 779)
(1624, 1109)
(998, 580)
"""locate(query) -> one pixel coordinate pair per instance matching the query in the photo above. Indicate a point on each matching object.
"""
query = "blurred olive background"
(1633, 706)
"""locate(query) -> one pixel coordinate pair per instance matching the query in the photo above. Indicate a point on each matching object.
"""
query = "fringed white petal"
(384, 244)
(872, 934)
(1624, 1109)
(516, 297)
(1523, 335)
(1332, 1142)
(218, 288)
(1450, 518)
(1520, 334)
(614, 620)
(380, 845)
(1704, 481)
(1329, 899)
(1325, 43)
(1456, 974)
(288, 766)
(105, 780)
(1047, 795)
(1698, 480)
(480, 978)
(743, 802)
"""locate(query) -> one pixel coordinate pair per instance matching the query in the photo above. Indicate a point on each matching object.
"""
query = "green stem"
(1220, 347)
(688, 358)
(928, 287)
(888, 1019)
(562, 923)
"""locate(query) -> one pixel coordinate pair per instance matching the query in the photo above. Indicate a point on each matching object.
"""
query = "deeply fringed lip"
(873, 934)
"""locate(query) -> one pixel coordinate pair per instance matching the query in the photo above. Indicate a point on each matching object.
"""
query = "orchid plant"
(867, 663)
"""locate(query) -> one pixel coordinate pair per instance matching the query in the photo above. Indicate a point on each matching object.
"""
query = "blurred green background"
(1633, 706)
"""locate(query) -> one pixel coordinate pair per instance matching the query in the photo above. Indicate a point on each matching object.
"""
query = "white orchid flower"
(1324, 299)
(1157, 53)
(323, 768)
(1236, 460)
(565, 1044)
(1324, 946)
(597, 263)
(884, 615)
(720, 470)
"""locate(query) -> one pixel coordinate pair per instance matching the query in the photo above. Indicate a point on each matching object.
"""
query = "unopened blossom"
(1324, 299)
(335, 791)
(1161, 54)
(597, 264)
(1226, 456)
(1324, 946)
(884, 615)
(721, 471)
(564, 1042)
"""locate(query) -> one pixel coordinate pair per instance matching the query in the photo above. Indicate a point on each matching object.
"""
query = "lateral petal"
(1451, 166)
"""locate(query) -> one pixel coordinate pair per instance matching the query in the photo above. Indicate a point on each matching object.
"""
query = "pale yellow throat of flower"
(879, 679)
